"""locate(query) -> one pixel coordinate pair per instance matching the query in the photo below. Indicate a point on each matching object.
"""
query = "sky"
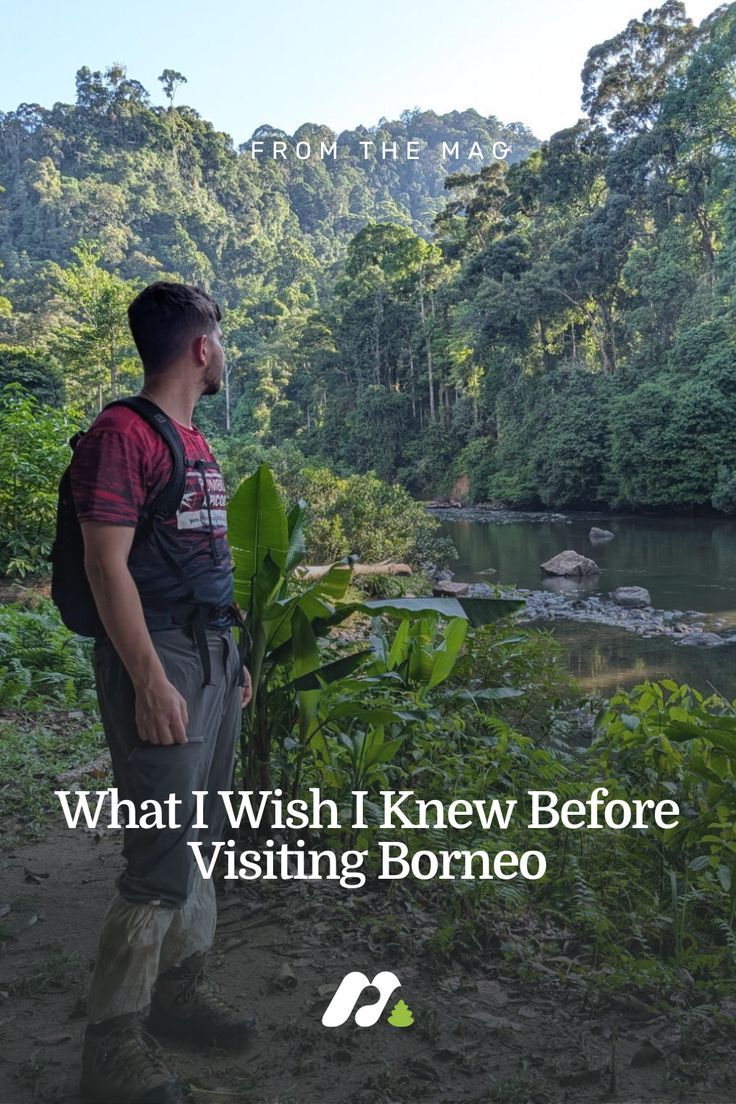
(337, 62)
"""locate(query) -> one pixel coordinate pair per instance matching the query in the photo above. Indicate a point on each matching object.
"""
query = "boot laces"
(133, 1052)
(203, 989)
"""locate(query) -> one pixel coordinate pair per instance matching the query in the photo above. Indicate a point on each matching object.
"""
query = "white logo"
(346, 997)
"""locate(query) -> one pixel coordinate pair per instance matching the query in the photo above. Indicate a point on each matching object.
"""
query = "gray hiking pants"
(165, 910)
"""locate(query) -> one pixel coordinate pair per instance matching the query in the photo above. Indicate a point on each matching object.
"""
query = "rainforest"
(430, 367)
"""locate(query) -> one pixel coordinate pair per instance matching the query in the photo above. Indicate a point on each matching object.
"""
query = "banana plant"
(286, 619)
(423, 652)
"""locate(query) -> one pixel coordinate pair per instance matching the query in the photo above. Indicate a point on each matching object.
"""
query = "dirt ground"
(479, 1037)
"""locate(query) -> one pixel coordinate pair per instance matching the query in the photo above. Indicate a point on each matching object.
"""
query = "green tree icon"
(401, 1015)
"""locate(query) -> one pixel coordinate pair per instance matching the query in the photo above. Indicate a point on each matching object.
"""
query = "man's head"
(178, 326)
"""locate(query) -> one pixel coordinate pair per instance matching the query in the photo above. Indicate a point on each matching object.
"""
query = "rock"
(702, 639)
(631, 597)
(570, 563)
(597, 534)
(444, 576)
(446, 589)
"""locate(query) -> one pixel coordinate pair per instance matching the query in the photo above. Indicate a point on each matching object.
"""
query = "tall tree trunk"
(428, 347)
(413, 392)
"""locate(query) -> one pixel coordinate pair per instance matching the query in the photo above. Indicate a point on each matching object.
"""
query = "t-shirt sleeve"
(110, 474)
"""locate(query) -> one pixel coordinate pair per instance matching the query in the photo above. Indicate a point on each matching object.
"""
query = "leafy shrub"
(364, 516)
(355, 514)
(34, 451)
(41, 663)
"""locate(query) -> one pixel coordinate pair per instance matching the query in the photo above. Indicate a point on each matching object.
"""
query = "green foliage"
(42, 664)
(38, 373)
(34, 753)
(361, 515)
(357, 515)
(47, 718)
(34, 451)
(559, 329)
(685, 747)
(93, 340)
(305, 696)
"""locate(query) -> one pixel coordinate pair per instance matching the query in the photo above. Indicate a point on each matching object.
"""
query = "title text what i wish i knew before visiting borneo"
(399, 809)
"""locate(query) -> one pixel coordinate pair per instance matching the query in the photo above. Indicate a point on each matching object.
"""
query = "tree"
(171, 81)
(34, 451)
(625, 78)
(94, 344)
(38, 373)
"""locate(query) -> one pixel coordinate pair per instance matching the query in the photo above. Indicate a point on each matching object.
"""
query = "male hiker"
(171, 685)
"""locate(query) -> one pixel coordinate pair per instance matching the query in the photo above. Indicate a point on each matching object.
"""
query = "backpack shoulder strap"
(167, 501)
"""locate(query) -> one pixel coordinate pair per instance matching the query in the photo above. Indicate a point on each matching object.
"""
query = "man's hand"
(161, 714)
(246, 691)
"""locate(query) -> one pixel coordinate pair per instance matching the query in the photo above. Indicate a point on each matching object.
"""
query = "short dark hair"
(165, 317)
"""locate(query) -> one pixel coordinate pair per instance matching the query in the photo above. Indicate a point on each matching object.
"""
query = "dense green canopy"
(559, 328)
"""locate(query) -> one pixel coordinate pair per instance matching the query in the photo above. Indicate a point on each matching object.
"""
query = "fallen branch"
(311, 574)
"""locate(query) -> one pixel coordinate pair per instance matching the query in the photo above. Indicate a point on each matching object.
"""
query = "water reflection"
(586, 584)
(685, 563)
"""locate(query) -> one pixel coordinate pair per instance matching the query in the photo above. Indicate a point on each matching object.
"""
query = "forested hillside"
(560, 328)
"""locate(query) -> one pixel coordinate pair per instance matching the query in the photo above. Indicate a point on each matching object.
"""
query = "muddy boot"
(121, 1064)
(186, 1003)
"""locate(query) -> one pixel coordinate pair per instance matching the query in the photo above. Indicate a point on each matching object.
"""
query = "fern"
(729, 936)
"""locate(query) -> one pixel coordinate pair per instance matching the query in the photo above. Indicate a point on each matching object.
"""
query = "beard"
(212, 382)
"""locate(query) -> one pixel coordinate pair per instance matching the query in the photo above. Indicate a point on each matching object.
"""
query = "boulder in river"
(632, 597)
(597, 534)
(570, 562)
(446, 589)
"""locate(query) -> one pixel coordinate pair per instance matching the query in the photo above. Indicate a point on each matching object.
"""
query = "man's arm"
(160, 710)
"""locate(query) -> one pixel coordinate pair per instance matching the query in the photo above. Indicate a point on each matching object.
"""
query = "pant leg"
(160, 869)
(127, 962)
(193, 928)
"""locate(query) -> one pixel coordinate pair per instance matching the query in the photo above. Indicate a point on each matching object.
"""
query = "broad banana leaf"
(445, 657)
(256, 526)
(305, 661)
(329, 672)
(476, 611)
(297, 549)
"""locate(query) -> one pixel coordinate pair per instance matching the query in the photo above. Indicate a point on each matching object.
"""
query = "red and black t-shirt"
(118, 469)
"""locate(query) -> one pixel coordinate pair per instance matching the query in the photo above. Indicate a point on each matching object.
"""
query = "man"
(171, 685)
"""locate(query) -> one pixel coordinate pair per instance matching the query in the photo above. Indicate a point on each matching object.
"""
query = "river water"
(685, 564)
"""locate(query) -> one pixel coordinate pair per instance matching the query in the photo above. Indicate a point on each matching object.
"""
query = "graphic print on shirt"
(204, 500)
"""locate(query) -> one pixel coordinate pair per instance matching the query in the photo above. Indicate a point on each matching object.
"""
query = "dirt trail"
(478, 1037)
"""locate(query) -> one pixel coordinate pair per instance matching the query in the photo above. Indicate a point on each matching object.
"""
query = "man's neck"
(175, 398)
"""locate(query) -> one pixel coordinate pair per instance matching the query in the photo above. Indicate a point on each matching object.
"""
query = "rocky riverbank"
(685, 627)
(499, 515)
(602, 594)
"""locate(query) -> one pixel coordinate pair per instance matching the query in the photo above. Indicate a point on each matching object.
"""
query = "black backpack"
(70, 589)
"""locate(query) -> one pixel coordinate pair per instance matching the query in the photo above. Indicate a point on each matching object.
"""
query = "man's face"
(214, 369)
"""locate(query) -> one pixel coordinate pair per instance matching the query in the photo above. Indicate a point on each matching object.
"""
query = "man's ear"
(199, 349)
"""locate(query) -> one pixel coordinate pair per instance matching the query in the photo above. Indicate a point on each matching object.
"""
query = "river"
(685, 563)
